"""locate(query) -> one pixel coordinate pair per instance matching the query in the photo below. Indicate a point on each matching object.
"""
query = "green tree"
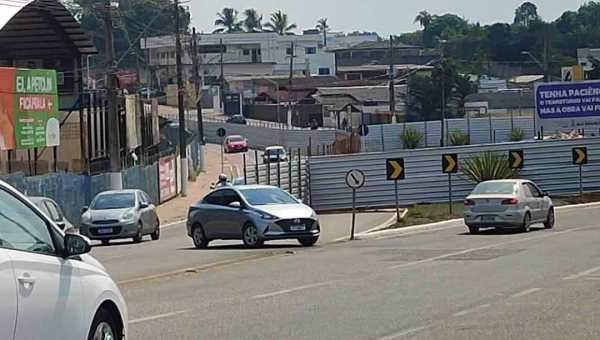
(463, 86)
(279, 24)
(323, 27)
(526, 14)
(227, 21)
(252, 21)
(424, 19)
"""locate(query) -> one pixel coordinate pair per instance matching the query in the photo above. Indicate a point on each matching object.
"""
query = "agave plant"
(487, 166)
(411, 138)
(458, 138)
(516, 135)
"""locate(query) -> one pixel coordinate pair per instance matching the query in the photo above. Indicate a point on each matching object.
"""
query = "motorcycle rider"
(222, 181)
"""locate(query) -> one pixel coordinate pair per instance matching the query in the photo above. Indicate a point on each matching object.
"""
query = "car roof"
(124, 191)
(274, 147)
(37, 199)
(249, 186)
(516, 181)
(234, 136)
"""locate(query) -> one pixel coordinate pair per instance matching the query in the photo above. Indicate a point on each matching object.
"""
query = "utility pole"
(392, 76)
(198, 89)
(290, 83)
(222, 82)
(116, 180)
(149, 80)
(545, 58)
(180, 104)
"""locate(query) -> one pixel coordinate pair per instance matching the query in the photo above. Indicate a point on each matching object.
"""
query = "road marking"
(583, 273)
(431, 259)
(526, 292)
(291, 290)
(401, 334)
(159, 316)
(472, 310)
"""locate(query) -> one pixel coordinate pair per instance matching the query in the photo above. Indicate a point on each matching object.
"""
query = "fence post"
(268, 169)
(290, 160)
(382, 138)
(278, 171)
(245, 174)
(494, 140)
(310, 145)
(299, 174)
(256, 167)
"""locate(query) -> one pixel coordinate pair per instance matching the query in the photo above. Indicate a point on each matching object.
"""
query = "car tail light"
(510, 201)
(468, 202)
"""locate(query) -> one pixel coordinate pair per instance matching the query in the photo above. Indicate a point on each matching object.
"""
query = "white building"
(340, 39)
(583, 57)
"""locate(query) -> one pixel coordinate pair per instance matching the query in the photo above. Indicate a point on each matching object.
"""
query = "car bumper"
(117, 231)
(275, 231)
(511, 219)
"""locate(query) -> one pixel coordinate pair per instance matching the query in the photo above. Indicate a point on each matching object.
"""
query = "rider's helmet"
(223, 178)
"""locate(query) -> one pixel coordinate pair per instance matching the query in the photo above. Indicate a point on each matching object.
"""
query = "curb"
(578, 206)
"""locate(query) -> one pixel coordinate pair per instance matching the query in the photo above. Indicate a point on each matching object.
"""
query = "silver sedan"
(508, 204)
(253, 214)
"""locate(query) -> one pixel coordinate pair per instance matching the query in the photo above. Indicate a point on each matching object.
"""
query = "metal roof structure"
(40, 28)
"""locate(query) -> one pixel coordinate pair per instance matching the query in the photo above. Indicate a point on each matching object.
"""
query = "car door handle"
(26, 280)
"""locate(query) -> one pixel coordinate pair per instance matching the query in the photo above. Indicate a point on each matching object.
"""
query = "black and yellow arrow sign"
(580, 156)
(450, 163)
(395, 169)
(516, 159)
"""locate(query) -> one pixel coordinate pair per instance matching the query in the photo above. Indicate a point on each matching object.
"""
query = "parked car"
(272, 153)
(52, 211)
(235, 143)
(49, 286)
(253, 214)
(237, 119)
(510, 203)
(120, 214)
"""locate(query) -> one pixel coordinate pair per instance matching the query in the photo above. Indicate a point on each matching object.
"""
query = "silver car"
(253, 214)
(52, 211)
(120, 214)
(508, 204)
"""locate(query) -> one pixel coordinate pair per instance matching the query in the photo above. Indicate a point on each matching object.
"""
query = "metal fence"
(548, 163)
(481, 131)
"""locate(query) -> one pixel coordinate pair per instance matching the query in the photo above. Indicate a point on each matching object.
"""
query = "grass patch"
(573, 200)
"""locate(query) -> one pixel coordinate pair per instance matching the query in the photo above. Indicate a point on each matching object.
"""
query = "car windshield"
(113, 201)
(267, 196)
(490, 188)
(275, 152)
(236, 139)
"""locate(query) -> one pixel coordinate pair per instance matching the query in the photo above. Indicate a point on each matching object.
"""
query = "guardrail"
(548, 163)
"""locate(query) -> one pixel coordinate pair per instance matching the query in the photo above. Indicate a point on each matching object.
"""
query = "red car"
(236, 143)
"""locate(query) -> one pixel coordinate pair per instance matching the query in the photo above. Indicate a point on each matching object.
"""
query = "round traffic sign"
(355, 179)
(363, 130)
(221, 132)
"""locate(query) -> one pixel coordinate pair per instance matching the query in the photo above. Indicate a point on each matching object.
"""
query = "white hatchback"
(49, 287)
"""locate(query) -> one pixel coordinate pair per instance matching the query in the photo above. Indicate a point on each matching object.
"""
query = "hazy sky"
(384, 16)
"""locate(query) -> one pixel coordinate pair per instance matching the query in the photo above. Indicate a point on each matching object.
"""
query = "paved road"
(175, 252)
(444, 285)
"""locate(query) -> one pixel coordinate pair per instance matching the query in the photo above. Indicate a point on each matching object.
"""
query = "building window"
(288, 51)
(246, 52)
(353, 76)
(172, 55)
(324, 71)
(311, 50)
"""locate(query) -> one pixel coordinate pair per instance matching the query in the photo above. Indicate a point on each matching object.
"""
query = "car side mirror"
(236, 205)
(77, 245)
(84, 209)
(545, 193)
(61, 225)
(144, 205)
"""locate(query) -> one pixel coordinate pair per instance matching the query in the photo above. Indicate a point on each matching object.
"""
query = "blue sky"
(384, 16)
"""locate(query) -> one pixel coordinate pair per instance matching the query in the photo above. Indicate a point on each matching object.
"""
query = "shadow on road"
(242, 247)
(501, 231)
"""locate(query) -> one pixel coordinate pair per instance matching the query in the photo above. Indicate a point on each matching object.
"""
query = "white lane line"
(431, 259)
(159, 316)
(583, 273)
(471, 310)
(526, 292)
(401, 334)
(291, 290)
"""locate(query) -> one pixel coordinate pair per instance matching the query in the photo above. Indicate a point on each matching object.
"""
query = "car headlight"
(266, 216)
(130, 215)
(85, 218)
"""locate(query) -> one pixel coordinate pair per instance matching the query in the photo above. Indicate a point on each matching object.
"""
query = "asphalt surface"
(175, 251)
(438, 285)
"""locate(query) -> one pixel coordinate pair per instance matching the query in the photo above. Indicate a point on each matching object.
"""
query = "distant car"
(120, 214)
(52, 211)
(510, 203)
(237, 119)
(253, 214)
(236, 143)
(272, 153)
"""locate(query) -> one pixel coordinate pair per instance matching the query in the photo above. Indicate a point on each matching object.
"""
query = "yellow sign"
(578, 73)
(450, 163)
(395, 169)
(516, 159)
(580, 156)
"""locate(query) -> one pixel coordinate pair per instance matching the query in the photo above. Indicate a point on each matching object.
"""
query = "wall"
(548, 163)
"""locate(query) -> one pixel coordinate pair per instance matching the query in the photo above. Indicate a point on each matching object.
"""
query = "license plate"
(298, 227)
(105, 231)
(488, 218)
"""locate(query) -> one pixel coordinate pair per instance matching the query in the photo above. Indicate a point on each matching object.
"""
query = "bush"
(516, 135)
(411, 138)
(488, 166)
(458, 138)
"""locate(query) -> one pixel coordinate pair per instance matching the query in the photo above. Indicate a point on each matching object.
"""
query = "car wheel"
(250, 236)
(104, 327)
(156, 234)
(526, 227)
(105, 242)
(139, 234)
(308, 241)
(551, 220)
(199, 238)
(474, 230)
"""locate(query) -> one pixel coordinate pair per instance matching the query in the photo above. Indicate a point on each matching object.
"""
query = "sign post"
(395, 171)
(516, 159)
(355, 179)
(221, 132)
(580, 157)
(363, 131)
(450, 166)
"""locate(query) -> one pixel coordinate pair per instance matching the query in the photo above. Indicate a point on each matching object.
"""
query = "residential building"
(341, 40)
(516, 102)
(584, 55)
(380, 72)
(378, 53)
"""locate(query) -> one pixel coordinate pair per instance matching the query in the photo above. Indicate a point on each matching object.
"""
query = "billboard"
(567, 106)
(167, 178)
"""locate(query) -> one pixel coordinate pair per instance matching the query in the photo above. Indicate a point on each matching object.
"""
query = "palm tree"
(253, 21)
(323, 27)
(279, 23)
(227, 21)
(423, 18)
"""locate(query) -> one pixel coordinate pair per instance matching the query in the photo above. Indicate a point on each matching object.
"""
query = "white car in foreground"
(49, 287)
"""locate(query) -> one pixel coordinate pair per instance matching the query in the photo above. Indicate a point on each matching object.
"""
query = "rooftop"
(504, 100)
(402, 67)
(376, 45)
(360, 93)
